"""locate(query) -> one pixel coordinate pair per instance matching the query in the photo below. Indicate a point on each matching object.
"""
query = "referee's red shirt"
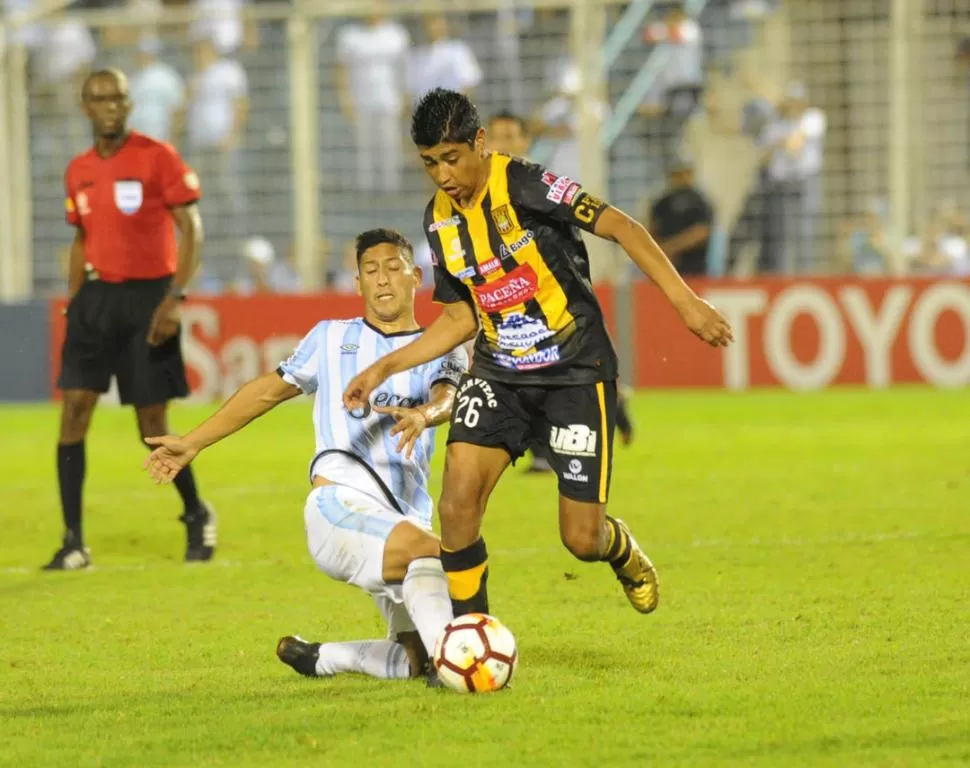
(122, 203)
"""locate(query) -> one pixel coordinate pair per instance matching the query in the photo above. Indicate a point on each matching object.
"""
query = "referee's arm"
(75, 266)
(189, 222)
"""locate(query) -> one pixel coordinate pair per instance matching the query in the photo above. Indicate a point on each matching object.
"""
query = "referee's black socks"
(467, 571)
(70, 478)
(185, 485)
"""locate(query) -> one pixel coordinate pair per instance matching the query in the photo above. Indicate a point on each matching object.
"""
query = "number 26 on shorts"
(467, 412)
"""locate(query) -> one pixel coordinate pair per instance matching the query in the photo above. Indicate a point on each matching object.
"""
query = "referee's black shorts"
(107, 335)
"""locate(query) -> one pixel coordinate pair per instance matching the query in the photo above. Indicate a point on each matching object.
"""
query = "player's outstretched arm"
(172, 454)
(456, 325)
(699, 316)
(411, 422)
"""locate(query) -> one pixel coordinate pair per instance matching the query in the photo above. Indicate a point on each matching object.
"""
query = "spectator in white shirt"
(157, 94)
(264, 272)
(794, 143)
(559, 120)
(445, 62)
(678, 83)
(218, 108)
(221, 23)
(371, 73)
(63, 60)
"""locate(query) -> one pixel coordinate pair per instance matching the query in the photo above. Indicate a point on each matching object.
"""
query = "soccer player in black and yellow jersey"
(511, 269)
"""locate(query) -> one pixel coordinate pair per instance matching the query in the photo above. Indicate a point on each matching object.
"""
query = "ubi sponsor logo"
(575, 472)
(574, 440)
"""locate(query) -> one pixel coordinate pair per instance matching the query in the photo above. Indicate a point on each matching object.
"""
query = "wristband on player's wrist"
(178, 294)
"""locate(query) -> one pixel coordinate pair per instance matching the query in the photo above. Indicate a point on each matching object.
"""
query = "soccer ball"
(475, 654)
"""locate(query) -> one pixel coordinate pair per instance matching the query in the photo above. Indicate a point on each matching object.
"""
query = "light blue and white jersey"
(325, 361)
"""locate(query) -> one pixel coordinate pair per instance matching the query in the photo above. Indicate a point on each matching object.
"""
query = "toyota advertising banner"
(799, 334)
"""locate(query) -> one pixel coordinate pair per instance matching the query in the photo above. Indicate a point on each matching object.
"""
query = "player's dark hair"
(444, 116)
(116, 74)
(512, 118)
(367, 240)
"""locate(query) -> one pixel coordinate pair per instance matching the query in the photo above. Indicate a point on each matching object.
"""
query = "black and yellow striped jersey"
(518, 257)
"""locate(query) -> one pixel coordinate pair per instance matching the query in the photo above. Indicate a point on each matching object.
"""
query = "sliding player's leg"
(581, 421)
(356, 539)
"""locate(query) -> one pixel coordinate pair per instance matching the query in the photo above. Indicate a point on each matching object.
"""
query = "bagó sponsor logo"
(516, 287)
(507, 250)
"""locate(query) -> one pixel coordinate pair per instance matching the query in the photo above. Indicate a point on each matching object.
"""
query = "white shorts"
(346, 530)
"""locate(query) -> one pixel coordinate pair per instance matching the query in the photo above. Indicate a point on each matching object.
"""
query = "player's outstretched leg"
(199, 518)
(471, 472)
(356, 540)
(76, 413)
(383, 659)
(592, 535)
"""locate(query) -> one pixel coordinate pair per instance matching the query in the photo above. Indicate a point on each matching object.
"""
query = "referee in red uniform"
(128, 272)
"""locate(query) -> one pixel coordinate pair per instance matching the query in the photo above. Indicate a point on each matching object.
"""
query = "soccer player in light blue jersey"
(368, 516)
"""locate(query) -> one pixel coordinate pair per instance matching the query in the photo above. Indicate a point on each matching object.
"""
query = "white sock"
(383, 659)
(426, 597)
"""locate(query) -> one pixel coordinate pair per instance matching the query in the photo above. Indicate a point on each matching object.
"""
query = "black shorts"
(107, 335)
(575, 423)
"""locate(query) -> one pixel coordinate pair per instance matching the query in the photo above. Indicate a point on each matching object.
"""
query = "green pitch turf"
(814, 555)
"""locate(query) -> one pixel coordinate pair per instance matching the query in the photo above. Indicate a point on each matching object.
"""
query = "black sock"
(467, 571)
(70, 479)
(623, 421)
(185, 484)
(619, 550)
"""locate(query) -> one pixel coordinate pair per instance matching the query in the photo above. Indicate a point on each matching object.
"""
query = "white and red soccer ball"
(476, 653)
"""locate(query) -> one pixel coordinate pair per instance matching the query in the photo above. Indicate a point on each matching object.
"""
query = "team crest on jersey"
(503, 221)
(129, 195)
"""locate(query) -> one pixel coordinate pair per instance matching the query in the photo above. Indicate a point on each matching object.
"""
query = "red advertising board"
(800, 334)
(809, 334)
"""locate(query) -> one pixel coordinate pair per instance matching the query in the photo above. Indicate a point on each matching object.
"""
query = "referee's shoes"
(200, 531)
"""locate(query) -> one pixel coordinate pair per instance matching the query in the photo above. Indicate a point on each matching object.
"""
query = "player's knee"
(76, 416)
(460, 505)
(404, 545)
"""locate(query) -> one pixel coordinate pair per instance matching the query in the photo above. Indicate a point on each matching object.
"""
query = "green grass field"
(814, 555)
